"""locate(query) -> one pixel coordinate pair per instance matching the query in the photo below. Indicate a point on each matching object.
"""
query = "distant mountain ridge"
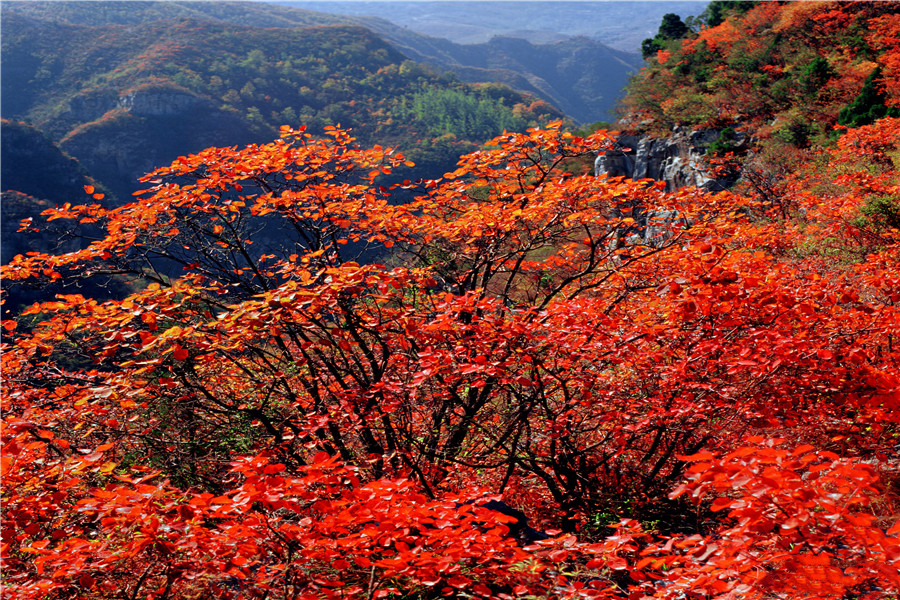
(581, 76)
(126, 98)
(620, 24)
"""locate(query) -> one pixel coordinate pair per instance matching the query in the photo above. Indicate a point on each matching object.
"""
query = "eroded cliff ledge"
(679, 160)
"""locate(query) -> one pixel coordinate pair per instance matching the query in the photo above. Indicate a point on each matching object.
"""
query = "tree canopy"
(695, 395)
(770, 66)
(270, 420)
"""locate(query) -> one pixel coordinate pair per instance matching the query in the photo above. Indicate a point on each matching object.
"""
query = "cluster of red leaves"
(321, 533)
(757, 67)
(800, 526)
(280, 421)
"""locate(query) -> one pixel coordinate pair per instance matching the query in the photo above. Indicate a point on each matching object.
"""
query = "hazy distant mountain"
(581, 76)
(620, 24)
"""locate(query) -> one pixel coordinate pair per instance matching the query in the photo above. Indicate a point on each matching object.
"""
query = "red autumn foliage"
(781, 70)
(269, 418)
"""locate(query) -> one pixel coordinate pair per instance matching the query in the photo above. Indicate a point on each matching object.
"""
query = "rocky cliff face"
(158, 102)
(678, 159)
(92, 105)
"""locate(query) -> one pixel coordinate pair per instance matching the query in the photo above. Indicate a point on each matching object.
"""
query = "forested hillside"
(583, 73)
(787, 79)
(788, 71)
(550, 385)
(111, 94)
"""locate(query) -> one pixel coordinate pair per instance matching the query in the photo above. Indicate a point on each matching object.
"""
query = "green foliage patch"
(869, 105)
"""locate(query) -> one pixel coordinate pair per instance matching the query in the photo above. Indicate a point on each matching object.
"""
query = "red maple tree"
(712, 377)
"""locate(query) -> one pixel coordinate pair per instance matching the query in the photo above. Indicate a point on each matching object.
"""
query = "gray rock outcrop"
(155, 102)
(678, 159)
(158, 102)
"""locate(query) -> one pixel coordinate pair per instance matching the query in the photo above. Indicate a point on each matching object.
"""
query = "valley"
(108, 81)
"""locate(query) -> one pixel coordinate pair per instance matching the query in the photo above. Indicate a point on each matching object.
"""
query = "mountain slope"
(784, 69)
(581, 76)
(25, 150)
(113, 95)
(35, 176)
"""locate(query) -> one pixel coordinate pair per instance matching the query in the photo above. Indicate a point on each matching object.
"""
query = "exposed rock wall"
(145, 102)
(678, 159)
(158, 103)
